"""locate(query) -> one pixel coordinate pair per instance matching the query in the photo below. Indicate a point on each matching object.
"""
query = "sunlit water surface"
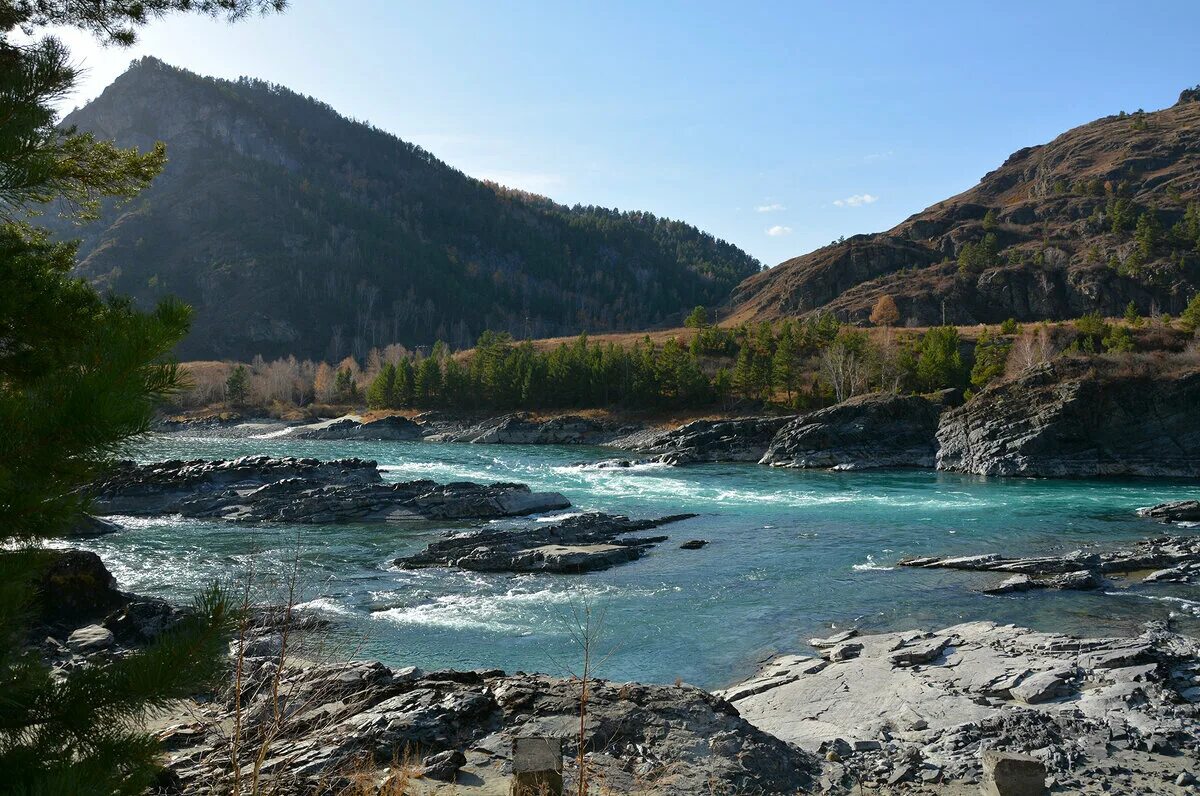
(791, 555)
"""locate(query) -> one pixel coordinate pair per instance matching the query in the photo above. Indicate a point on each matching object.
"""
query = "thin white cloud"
(858, 200)
(779, 230)
(874, 156)
(771, 208)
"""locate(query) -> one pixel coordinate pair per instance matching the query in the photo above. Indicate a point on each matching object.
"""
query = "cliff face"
(1063, 217)
(293, 230)
(1075, 418)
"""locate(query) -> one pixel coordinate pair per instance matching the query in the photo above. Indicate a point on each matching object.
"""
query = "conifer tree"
(80, 376)
(237, 386)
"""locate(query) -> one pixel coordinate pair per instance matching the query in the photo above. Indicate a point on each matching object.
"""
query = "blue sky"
(777, 126)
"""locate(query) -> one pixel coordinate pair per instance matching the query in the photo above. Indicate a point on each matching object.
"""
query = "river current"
(792, 554)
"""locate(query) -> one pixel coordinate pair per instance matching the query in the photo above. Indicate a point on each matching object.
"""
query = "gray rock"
(739, 440)
(1176, 511)
(1073, 418)
(392, 428)
(876, 430)
(89, 638)
(693, 544)
(843, 652)
(366, 711)
(161, 488)
(1008, 774)
(522, 428)
(1039, 687)
(584, 543)
(1076, 570)
(992, 687)
(262, 489)
(834, 640)
(443, 766)
(918, 652)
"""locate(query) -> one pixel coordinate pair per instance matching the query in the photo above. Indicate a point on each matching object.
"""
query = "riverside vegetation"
(796, 364)
(81, 376)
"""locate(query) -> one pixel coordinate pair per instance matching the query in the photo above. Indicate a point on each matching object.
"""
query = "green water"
(792, 555)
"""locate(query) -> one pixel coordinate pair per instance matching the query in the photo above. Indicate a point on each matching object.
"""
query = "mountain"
(293, 230)
(1094, 219)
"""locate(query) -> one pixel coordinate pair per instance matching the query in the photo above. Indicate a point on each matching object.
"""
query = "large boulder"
(75, 585)
(1078, 418)
(878, 430)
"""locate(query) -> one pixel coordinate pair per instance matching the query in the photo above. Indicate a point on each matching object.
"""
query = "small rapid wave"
(326, 605)
(870, 566)
(1187, 606)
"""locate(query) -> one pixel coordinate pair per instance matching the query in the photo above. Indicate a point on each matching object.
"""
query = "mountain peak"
(292, 229)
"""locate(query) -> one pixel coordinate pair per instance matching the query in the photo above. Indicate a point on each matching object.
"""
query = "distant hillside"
(294, 230)
(1093, 220)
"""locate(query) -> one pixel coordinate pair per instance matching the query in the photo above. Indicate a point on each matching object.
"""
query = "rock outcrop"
(918, 708)
(1062, 192)
(262, 489)
(392, 428)
(584, 543)
(1175, 511)
(161, 487)
(1074, 570)
(673, 740)
(1079, 419)
(877, 430)
(522, 428)
(743, 439)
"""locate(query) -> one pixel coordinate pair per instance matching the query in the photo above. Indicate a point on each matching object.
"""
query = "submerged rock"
(262, 489)
(584, 543)
(878, 430)
(1077, 419)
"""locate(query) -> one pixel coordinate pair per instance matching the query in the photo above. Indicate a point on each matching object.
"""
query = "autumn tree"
(885, 312)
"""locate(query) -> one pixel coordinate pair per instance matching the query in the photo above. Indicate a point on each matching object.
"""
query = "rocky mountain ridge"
(1053, 233)
(293, 230)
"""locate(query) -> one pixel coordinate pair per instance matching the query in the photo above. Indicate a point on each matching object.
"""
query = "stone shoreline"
(911, 712)
(1063, 419)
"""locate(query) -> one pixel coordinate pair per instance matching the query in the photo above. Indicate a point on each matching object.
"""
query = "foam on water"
(790, 553)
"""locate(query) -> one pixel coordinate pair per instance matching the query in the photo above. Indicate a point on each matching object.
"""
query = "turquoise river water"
(792, 555)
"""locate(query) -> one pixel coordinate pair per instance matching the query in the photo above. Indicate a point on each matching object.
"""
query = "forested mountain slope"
(293, 230)
(1104, 214)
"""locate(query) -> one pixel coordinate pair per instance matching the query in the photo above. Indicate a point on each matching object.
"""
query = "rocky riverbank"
(266, 489)
(915, 711)
(1072, 417)
(911, 712)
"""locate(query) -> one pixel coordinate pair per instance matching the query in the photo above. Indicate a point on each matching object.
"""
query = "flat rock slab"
(584, 543)
(92, 637)
(941, 698)
(1079, 569)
